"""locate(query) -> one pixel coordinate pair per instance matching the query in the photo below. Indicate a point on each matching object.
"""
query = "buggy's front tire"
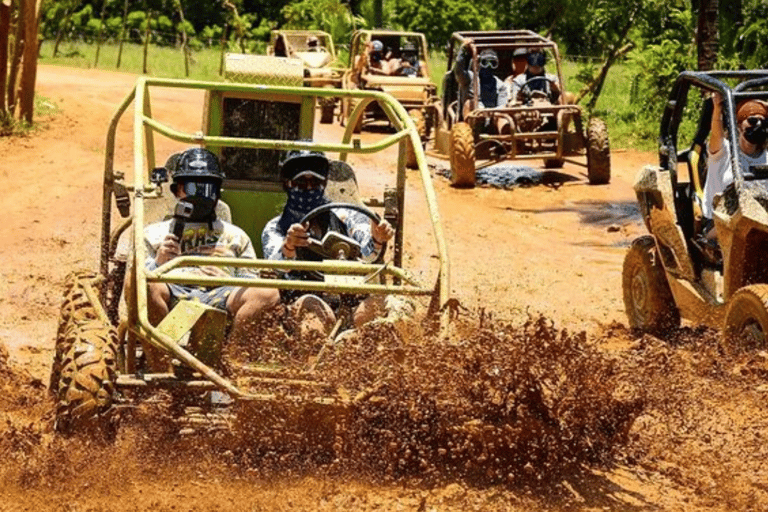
(87, 373)
(746, 320)
(648, 300)
(462, 155)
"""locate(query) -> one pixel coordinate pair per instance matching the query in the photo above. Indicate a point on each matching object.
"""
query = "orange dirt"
(514, 416)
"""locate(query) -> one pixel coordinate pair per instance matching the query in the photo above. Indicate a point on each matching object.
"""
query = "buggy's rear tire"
(87, 375)
(462, 155)
(648, 300)
(421, 127)
(553, 163)
(598, 153)
(746, 320)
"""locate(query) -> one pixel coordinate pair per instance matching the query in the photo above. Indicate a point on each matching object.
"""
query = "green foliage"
(657, 64)
(329, 15)
(438, 19)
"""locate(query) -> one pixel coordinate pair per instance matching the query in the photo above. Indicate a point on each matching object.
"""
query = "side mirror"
(159, 176)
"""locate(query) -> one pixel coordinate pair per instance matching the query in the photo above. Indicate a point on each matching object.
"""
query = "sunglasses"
(306, 183)
(489, 63)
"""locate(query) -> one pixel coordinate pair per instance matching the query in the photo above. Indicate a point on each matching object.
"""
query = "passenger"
(280, 49)
(197, 179)
(751, 122)
(304, 175)
(519, 63)
(493, 91)
(321, 57)
(377, 64)
(534, 79)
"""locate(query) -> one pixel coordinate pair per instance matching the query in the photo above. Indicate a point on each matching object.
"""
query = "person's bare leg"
(371, 308)
(247, 306)
(159, 297)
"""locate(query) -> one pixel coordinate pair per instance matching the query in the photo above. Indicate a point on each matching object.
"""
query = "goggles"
(306, 183)
(201, 188)
(487, 62)
(755, 120)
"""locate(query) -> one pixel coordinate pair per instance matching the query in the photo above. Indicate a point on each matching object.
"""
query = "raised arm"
(716, 131)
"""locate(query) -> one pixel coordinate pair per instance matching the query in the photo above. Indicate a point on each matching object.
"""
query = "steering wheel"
(335, 245)
(528, 94)
(406, 69)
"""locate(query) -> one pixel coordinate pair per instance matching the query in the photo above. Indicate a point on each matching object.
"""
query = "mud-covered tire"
(746, 320)
(462, 155)
(75, 308)
(648, 300)
(88, 372)
(553, 163)
(421, 127)
(598, 153)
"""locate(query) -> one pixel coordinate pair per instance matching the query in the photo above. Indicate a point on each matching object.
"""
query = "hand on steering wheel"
(342, 245)
(528, 94)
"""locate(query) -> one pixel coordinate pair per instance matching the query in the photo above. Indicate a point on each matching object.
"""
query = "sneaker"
(313, 314)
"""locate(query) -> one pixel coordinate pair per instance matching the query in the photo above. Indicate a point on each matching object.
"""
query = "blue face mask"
(300, 202)
(305, 200)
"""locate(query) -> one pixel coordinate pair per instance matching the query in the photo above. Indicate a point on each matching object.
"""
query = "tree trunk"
(147, 35)
(619, 49)
(122, 33)
(184, 42)
(18, 50)
(223, 48)
(596, 86)
(5, 26)
(238, 24)
(29, 69)
(60, 33)
(101, 32)
(707, 35)
(378, 13)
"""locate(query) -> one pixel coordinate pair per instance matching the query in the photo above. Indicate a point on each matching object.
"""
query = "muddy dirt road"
(697, 444)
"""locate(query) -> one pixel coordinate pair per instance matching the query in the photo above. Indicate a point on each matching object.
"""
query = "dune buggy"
(315, 50)
(408, 84)
(104, 335)
(670, 274)
(538, 127)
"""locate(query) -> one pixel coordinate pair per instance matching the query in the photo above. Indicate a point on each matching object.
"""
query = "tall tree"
(5, 27)
(707, 35)
(29, 69)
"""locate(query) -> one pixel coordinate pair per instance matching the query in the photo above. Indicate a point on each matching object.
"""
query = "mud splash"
(495, 416)
(499, 404)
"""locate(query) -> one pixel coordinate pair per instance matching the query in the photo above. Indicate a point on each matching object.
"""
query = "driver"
(752, 125)
(408, 64)
(535, 79)
(304, 175)
(313, 44)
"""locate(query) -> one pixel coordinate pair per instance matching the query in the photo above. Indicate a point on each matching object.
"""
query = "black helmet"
(297, 161)
(197, 163)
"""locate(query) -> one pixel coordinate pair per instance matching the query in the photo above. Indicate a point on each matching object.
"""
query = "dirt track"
(697, 445)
